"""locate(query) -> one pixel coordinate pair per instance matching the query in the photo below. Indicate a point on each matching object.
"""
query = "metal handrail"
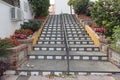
(66, 42)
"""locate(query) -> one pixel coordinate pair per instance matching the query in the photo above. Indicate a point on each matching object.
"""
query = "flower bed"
(12, 50)
(23, 33)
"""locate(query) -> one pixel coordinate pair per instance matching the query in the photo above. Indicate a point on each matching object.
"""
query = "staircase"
(64, 47)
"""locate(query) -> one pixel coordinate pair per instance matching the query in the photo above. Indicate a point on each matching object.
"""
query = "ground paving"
(89, 77)
(61, 65)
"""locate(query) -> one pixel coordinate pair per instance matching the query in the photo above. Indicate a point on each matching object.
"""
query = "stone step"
(53, 34)
(49, 47)
(61, 47)
(53, 27)
(53, 24)
(61, 35)
(54, 42)
(77, 35)
(83, 48)
(51, 38)
(79, 38)
(23, 77)
(74, 24)
(61, 55)
(80, 42)
(45, 67)
(60, 30)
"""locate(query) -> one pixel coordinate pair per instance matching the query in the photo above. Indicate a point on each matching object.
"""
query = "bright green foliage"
(116, 34)
(40, 7)
(106, 13)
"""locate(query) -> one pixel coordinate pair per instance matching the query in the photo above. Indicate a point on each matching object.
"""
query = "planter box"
(104, 48)
(104, 44)
(17, 56)
(114, 57)
(28, 42)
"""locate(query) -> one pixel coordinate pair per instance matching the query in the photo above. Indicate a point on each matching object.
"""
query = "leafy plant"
(106, 13)
(33, 25)
(40, 7)
(8, 42)
(116, 34)
(26, 32)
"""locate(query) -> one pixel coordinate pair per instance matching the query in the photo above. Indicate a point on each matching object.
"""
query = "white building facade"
(7, 24)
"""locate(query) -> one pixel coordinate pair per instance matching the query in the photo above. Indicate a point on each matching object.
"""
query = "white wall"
(61, 6)
(24, 5)
(7, 27)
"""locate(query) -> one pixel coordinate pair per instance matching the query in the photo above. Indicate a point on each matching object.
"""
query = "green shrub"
(106, 13)
(116, 34)
(34, 25)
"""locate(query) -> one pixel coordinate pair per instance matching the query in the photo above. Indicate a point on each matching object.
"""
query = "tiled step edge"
(36, 73)
(71, 57)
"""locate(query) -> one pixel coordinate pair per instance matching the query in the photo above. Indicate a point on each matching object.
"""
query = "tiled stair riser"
(58, 73)
(71, 57)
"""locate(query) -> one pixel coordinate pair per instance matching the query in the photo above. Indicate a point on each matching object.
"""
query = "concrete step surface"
(38, 67)
(73, 55)
(88, 77)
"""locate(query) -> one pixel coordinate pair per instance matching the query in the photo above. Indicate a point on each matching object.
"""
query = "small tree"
(40, 7)
(79, 6)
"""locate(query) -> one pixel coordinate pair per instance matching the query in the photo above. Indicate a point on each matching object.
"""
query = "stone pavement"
(89, 77)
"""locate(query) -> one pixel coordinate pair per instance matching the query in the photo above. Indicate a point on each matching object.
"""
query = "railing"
(39, 32)
(66, 42)
(93, 35)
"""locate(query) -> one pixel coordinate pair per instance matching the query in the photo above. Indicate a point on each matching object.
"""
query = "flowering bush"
(23, 33)
(100, 30)
(20, 36)
(8, 42)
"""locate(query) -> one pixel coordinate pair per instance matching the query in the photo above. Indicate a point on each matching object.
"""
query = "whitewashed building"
(11, 17)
